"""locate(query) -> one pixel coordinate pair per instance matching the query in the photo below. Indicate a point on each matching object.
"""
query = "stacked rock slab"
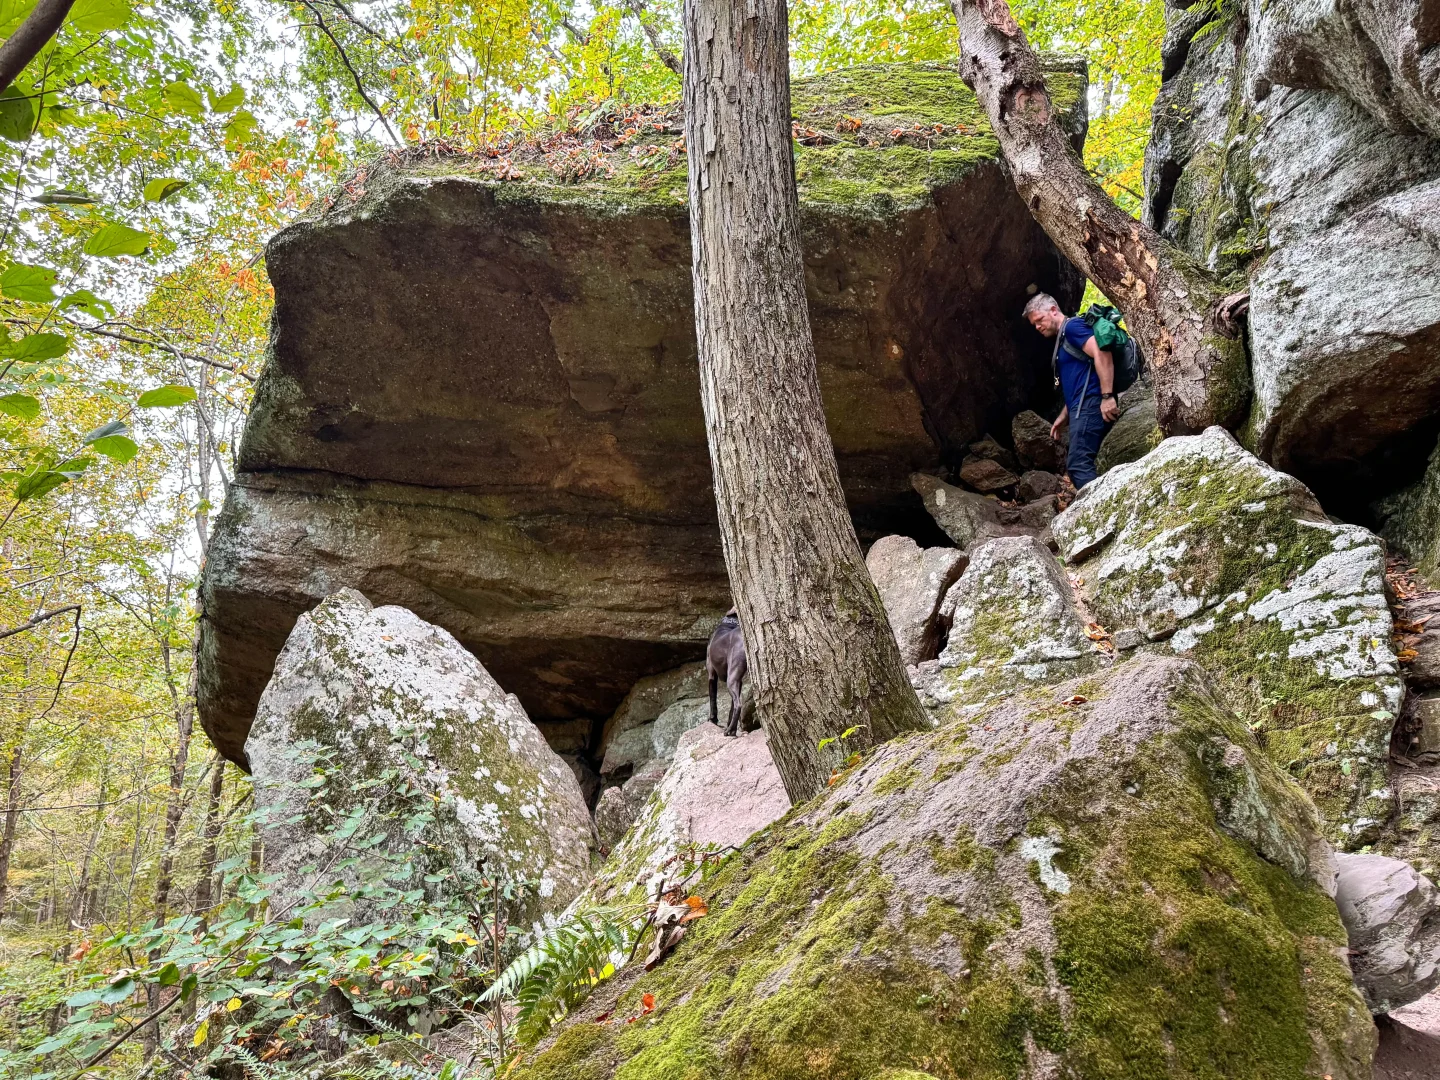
(1202, 550)
(482, 399)
(393, 700)
(1125, 887)
(1284, 159)
(912, 582)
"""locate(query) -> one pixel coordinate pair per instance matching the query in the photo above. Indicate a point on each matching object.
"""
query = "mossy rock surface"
(398, 701)
(1125, 888)
(1203, 550)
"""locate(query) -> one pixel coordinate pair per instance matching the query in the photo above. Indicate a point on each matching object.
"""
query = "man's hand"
(1109, 409)
(1059, 423)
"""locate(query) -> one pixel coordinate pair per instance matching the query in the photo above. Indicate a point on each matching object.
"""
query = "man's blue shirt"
(1072, 372)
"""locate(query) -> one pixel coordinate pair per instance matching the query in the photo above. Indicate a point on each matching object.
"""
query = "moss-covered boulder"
(396, 702)
(1014, 624)
(1125, 888)
(1201, 549)
(482, 400)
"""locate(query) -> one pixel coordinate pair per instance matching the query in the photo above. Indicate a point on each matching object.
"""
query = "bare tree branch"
(37, 619)
(34, 34)
(345, 59)
(667, 57)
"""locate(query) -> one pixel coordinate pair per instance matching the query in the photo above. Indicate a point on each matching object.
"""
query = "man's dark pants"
(1087, 429)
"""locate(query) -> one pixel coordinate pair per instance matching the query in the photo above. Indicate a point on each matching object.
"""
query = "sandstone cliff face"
(1292, 154)
(482, 401)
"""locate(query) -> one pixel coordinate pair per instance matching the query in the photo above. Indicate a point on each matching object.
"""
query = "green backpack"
(1111, 337)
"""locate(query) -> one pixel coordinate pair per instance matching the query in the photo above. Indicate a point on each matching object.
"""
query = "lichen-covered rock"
(482, 400)
(717, 792)
(912, 582)
(1135, 434)
(1322, 211)
(387, 692)
(1392, 915)
(649, 722)
(1123, 888)
(1014, 624)
(1208, 552)
(1378, 53)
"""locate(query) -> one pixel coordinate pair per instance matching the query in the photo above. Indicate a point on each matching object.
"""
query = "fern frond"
(548, 979)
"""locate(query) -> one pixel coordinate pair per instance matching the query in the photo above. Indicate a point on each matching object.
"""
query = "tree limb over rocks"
(1200, 371)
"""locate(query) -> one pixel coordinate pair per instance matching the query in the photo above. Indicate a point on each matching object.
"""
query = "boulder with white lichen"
(395, 700)
(1201, 549)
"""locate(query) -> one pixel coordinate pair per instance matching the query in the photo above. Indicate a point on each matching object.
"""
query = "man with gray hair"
(1086, 374)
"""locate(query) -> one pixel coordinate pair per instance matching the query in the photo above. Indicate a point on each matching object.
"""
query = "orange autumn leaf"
(647, 1001)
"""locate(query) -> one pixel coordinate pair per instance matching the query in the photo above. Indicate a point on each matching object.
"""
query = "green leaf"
(63, 197)
(162, 187)
(98, 16)
(117, 448)
(87, 302)
(33, 284)
(83, 998)
(187, 988)
(166, 397)
(33, 348)
(12, 14)
(20, 406)
(116, 239)
(33, 485)
(240, 127)
(118, 991)
(183, 99)
(233, 99)
(169, 975)
(114, 427)
(17, 115)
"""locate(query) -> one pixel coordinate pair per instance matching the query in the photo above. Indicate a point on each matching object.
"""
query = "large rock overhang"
(482, 400)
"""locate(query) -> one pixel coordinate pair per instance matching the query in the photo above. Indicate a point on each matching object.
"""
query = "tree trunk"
(12, 821)
(819, 646)
(1171, 305)
(209, 853)
(32, 35)
(184, 706)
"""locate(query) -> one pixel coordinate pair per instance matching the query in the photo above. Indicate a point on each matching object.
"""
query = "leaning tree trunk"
(1173, 307)
(819, 646)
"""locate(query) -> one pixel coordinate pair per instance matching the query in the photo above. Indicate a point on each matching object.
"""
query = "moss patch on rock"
(1106, 903)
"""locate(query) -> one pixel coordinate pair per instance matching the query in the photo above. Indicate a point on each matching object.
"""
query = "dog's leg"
(733, 727)
(714, 711)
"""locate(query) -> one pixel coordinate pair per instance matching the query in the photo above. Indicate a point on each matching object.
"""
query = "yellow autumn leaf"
(233, 1004)
(201, 1033)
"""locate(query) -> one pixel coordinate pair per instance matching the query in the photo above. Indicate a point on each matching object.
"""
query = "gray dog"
(725, 659)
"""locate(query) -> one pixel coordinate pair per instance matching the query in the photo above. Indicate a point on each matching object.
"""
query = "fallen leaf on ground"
(1075, 700)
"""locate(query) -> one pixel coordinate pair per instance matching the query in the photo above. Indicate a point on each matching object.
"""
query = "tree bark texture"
(818, 643)
(12, 821)
(1200, 370)
(32, 35)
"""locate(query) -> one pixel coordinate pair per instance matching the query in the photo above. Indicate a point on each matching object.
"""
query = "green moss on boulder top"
(1125, 890)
